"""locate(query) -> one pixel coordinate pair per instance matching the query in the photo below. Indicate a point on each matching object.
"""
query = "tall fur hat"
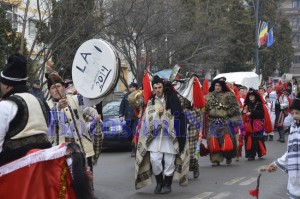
(15, 71)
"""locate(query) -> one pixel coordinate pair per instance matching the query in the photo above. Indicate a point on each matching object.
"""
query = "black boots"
(196, 172)
(132, 150)
(167, 187)
(270, 137)
(281, 136)
(159, 183)
(163, 186)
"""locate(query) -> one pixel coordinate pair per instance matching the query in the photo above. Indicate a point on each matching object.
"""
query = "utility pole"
(256, 38)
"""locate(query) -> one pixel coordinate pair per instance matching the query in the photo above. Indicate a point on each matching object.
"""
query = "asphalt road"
(114, 178)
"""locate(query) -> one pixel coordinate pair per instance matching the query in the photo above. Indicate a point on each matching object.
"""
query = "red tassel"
(241, 142)
(203, 150)
(249, 143)
(214, 146)
(254, 192)
(147, 88)
(227, 145)
(197, 94)
(262, 148)
(205, 87)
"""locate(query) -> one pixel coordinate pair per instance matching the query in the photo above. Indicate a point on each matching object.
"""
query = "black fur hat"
(156, 79)
(296, 102)
(15, 71)
(221, 81)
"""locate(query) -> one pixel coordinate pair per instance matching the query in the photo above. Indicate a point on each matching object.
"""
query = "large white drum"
(95, 69)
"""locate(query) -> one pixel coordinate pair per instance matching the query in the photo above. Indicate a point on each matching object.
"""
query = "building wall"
(17, 14)
(291, 9)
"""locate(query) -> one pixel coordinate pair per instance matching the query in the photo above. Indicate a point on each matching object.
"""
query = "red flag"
(197, 94)
(147, 88)
(205, 87)
(42, 180)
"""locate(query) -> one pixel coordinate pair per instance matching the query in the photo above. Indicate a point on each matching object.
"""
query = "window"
(294, 22)
(11, 15)
(296, 39)
(32, 27)
(296, 4)
(297, 59)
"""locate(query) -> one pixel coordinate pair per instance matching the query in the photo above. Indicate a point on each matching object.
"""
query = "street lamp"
(256, 38)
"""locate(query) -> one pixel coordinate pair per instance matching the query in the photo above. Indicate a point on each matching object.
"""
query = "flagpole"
(256, 38)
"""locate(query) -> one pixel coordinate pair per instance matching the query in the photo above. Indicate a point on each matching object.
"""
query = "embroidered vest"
(28, 130)
(68, 131)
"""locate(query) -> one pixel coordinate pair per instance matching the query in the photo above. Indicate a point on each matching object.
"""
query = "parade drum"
(95, 69)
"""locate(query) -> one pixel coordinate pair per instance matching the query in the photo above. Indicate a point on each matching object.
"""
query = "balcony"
(12, 2)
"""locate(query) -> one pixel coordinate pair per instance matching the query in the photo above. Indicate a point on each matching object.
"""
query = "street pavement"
(114, 178)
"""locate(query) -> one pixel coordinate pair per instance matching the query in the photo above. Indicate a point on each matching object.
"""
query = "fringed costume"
(223, 113)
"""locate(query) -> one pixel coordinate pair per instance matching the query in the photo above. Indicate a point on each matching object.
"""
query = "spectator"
(126, 112)
(36, 89)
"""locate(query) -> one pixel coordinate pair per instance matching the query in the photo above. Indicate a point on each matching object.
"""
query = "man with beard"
(224, 116)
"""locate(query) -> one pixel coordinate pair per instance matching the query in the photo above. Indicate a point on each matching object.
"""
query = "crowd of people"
(167, 129)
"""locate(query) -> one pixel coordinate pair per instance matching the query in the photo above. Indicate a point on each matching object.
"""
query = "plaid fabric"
(97, 137)
(95, 131)
(194, 118)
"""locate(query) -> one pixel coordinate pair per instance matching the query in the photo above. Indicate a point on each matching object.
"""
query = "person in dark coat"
(126, 112)
(254, 112)
(36, 89)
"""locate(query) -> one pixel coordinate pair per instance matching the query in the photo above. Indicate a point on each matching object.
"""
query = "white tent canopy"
(248, 79)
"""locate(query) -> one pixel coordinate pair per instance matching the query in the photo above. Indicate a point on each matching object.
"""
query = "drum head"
(95, 69)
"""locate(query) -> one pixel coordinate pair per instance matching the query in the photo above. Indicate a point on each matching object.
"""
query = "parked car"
(115, 132)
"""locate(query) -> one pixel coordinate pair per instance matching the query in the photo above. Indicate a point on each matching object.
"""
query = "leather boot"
(196, 172)
(132, 150)
(270, 137)
(159, 183)
(168, 183)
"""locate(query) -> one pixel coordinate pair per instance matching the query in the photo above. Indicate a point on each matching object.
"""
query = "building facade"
(291, 9)
(23, 16)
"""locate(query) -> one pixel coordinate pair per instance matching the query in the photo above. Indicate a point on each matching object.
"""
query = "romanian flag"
(263, 33)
